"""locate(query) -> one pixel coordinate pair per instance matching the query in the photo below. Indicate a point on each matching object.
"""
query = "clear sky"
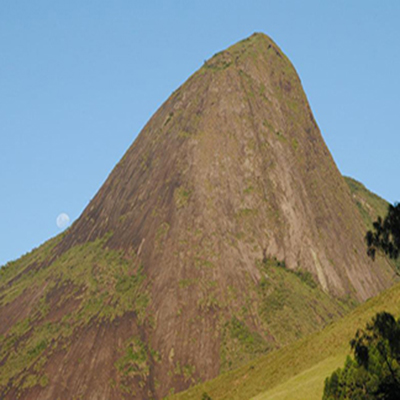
(79, 79)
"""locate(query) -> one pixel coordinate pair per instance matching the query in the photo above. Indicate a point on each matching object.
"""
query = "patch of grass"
(246, 212)
(306, 385)
(262, 90)
(162, 233)
(291, 303)
(184, 134)
(306, 277)
(134, 361)
(280, 136)
(188, 372)
(23, 270)
(38, 349)
(200, 262)
(208, 302)
(134, 364)
(217, 65)
(240, 344)
(181, 196)
(248, 190)
(185, 283)
(35, 380)
(267, 124)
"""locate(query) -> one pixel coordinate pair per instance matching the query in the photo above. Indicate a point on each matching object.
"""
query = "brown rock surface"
(230, 171)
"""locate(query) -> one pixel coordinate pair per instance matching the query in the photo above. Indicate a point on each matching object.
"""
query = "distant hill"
(369, 204)
(225, 232)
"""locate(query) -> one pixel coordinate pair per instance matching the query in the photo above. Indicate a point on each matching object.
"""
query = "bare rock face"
(225, 231)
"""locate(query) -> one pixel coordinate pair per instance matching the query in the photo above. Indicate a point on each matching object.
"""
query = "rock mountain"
(225, 231)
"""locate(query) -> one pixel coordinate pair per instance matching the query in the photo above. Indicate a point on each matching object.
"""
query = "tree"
(374, 372)
(385, 235)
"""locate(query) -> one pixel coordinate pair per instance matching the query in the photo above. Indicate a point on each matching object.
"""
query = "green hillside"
(369, 204)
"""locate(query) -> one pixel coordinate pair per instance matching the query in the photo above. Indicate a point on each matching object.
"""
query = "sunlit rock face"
(225, 231)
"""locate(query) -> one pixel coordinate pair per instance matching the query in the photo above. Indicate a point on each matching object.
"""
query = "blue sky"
(79, 79)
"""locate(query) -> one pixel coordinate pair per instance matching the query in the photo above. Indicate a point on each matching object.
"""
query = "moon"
(62, 220)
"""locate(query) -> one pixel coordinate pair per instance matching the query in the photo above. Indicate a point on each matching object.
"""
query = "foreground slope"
(225, 231)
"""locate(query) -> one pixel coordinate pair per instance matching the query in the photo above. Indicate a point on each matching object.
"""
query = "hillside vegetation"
(297, 371)
(368, 203)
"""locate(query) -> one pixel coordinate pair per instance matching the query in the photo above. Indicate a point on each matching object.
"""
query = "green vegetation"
(181, 196)
(12, 271)
(101, 283)
(369, 204)
(371, 207)
(216, 64)
(134, 360)
(385, 236)
(374, 373)
(291, 304)
(297, 371)
(246, 212)
(268, 125)
(240, 344)
(134, 364)
(280, 136)
(184, 134)
(185, 283)
(306, 277)
(161, 233)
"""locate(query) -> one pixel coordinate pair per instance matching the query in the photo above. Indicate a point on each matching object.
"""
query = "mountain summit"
(225, 231)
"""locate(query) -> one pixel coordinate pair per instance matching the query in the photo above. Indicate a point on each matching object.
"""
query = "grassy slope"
(369, 204)
(298, 371)
(101, 283)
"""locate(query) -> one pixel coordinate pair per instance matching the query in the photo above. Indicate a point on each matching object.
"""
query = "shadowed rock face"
(229, 174)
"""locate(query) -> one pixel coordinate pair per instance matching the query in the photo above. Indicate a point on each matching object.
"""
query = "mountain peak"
(225, 231)
(253, 46)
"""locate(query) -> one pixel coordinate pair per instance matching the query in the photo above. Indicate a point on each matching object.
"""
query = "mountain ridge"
(225, 231)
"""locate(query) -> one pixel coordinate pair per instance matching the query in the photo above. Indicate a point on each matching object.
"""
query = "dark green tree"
(385, 235)
(374, 372)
